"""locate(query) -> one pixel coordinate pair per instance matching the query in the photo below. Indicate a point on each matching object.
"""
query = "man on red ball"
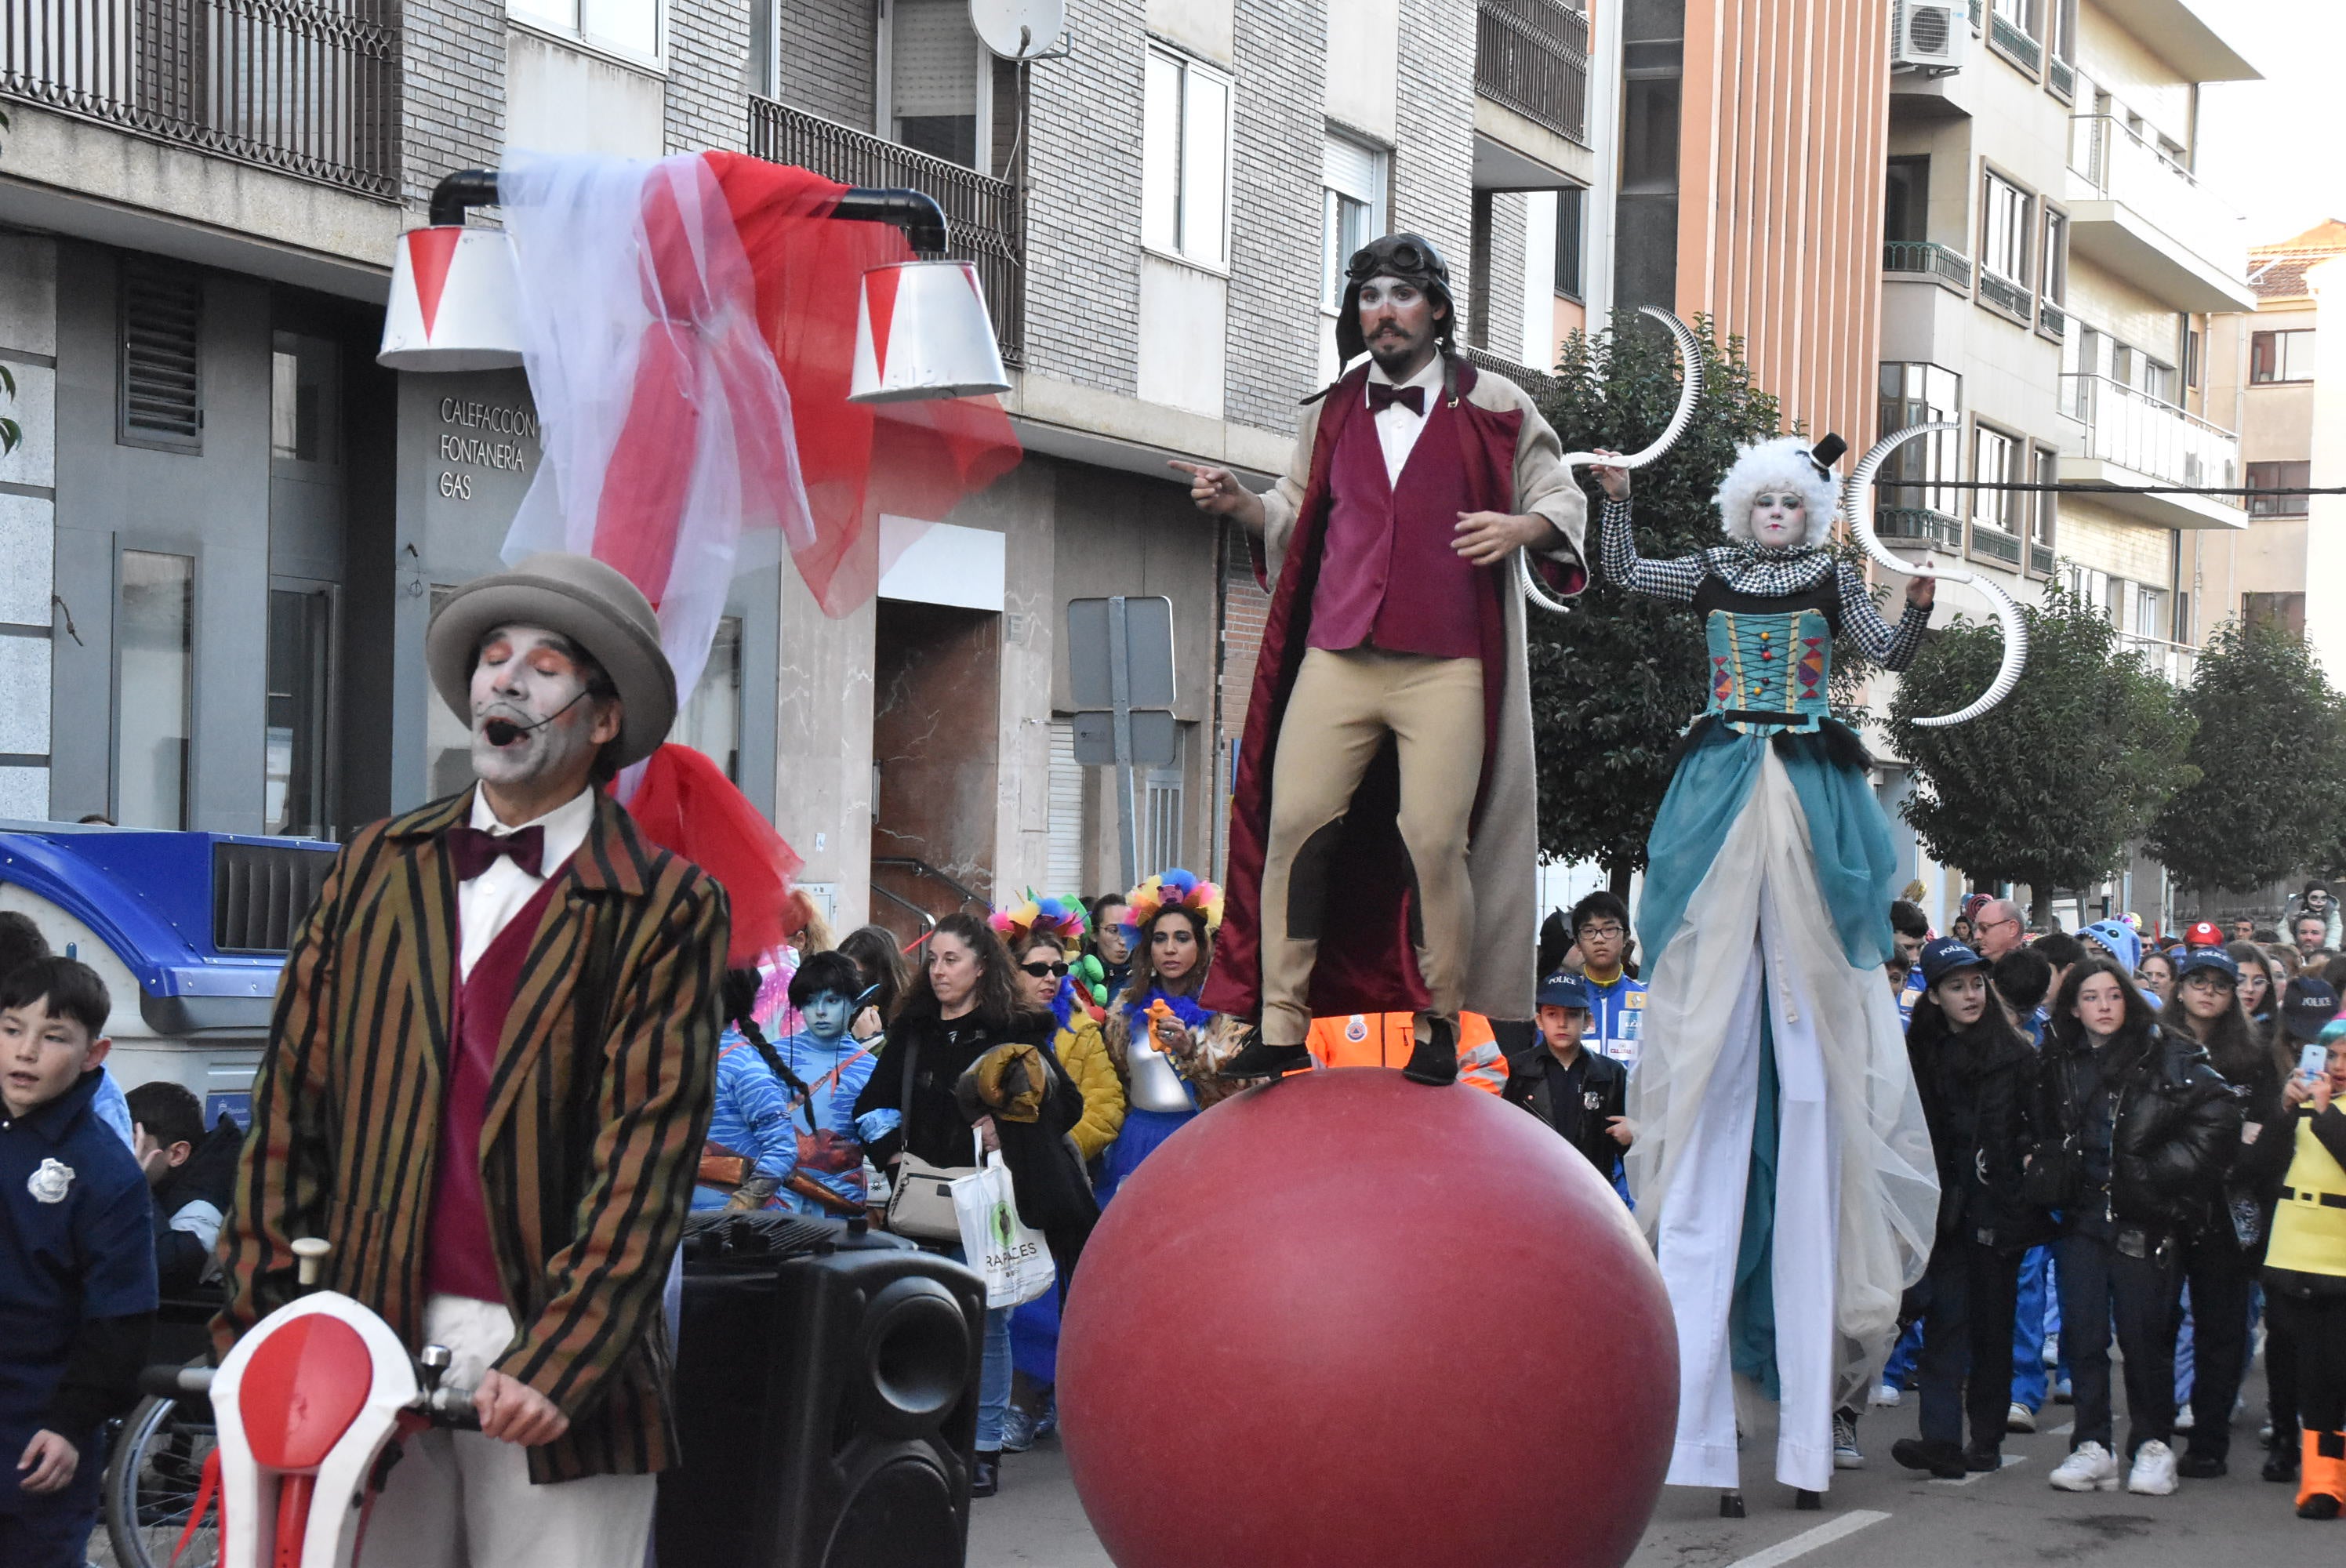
(1383, 830)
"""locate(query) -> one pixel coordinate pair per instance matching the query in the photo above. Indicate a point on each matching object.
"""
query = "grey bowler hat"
(585, 600)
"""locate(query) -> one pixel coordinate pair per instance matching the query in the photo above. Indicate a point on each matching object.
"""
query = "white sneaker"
(2051, 1356)
(2183, 1421)
(2088, 1467)
(1886, 1395)
(2020, 1418)
(2154, 1470)
(1846, 1454)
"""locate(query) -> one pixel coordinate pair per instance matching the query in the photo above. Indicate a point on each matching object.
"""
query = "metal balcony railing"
(1950, 267)
(2052, 320)
(2040, 560)
(310, 87)
(1532, 56)
(1921, 524)
(985, 217)
(2176, 661)
(2062, 78)
(2117, 165)
(2007, 295)
(2134, 430)
(2009, 39)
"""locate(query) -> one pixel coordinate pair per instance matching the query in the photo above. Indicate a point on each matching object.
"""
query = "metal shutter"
(1065, 871)
(161, 378)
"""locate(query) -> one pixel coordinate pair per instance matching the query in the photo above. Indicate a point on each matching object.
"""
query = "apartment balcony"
(2127, 437)
(984, 219)
(1906, 260)
(1923, 525)
(2148, 218)
(2176, 661)
(1531, 106)
(305, 87)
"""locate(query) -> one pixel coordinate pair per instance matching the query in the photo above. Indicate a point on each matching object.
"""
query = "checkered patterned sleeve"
(1893, 647)
(1674, 580)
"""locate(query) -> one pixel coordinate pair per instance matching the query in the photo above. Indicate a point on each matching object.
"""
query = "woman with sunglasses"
(1166, 1048)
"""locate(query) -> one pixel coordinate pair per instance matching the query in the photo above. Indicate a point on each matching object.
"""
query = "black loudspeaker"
(826, 1399)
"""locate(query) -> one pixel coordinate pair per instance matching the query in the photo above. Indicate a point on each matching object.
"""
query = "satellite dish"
(1018, 29)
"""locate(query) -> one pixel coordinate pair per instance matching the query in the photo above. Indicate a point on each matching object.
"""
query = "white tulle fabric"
(590, 299)
(1759, 918)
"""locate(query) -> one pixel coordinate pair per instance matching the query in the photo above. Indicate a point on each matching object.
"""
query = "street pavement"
(1878, 1517)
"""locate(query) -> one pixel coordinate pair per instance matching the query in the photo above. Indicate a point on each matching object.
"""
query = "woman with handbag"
(960, 1012)
(2136, 1133)
(2217, 1262)
(1168, 1050)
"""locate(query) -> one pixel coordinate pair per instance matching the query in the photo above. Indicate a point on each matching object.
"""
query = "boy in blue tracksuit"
(1616, 1002)
(76, 1263)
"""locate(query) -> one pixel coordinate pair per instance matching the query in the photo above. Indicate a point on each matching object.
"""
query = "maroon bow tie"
(1382, 396)
(475, 850)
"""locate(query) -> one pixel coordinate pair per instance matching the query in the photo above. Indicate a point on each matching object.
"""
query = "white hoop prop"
(1858, 503)
(1690, 393)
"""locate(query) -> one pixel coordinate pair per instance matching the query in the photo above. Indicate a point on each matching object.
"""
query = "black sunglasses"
(1039, 969)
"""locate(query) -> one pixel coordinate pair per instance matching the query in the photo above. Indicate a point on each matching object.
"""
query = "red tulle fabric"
(687, 807)
(914, 460)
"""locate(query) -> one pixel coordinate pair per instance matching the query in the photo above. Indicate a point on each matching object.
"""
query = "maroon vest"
(458, 1258)
(1381, 535)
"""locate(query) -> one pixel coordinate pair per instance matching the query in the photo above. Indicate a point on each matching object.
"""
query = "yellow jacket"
(2308, 1232)
(1083, 1051)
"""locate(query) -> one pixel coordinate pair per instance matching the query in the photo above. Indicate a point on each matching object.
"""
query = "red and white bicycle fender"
(304, 1403)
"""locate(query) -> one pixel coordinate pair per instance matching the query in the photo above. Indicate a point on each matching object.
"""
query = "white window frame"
(1175, 233)
(2018, 276)
(1992, 508)
(883, 100)
(568, 21)
(1367, 188)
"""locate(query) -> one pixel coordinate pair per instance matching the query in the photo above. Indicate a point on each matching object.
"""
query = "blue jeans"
(993, 1374)
(1903, 1355)
(2039, 1316)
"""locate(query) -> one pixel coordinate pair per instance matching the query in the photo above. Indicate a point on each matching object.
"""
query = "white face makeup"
(531, 718)
(1778, 518)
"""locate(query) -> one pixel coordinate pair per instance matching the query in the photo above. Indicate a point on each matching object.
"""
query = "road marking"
(2064, 1429)
(2009, 1460)
(1808, 1541)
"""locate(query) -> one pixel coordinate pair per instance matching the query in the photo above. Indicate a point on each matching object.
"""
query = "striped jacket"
(596, 1113)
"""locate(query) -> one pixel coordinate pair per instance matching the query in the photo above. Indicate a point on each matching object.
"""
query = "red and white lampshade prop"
(454, 304)
(923, 333)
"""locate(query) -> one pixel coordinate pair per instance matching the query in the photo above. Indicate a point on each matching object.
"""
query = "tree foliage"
(2271, 752)
(1614, 681)
(2050, 787)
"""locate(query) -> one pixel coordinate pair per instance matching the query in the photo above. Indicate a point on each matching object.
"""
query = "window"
(1162, 808)
(2280, 356)
(2052, 280)
(1906, 214)
(1915, 392)
(294, 767)
(2155, 377)
(2020, 13)
(938, 83)
(1568, 230)
(2190, 354)
(2149, 612)
(2285, 611)
(2045, 504)
(711, 722)
(628, 27)
(2278, 476)
(305, 421)
(154, 700)
(1353, 203)
(1996, 459)
(2004, 249)
(1185, 159)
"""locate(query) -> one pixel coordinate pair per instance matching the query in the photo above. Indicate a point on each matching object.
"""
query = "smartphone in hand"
(2313, 1061)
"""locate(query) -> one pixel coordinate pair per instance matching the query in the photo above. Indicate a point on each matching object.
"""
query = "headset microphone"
(505, 731)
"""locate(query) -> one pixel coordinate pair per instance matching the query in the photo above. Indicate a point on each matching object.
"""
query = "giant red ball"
(1346, 1321)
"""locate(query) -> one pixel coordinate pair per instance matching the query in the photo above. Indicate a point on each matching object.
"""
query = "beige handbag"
(921, 1205)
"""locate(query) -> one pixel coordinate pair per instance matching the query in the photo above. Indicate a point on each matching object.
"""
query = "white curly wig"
(1781, 463)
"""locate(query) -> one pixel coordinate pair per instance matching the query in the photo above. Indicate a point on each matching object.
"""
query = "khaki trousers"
(459, 1500)
(1344, 706)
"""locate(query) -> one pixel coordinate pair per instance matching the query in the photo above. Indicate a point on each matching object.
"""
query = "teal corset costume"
(1770, 671)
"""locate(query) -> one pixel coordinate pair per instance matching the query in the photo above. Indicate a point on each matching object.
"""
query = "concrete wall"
(28, 343)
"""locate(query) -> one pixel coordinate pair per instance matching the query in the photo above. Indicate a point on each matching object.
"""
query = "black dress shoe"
(2201, 1466)
(1943, 1460)
(986, 1475)
(2280, 1465)
(1435, 1059)
(1258, 1058)
(1983, 1460)
(2320, 1505)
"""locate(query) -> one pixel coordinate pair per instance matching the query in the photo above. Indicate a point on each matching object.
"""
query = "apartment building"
(226, 525)
(2050, 266)
(2292, 415)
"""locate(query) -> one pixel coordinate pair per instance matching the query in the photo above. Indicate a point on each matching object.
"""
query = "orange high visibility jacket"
(1386, 1039)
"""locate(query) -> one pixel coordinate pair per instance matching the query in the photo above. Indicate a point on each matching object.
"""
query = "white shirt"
(1397, 428)
(486, 904)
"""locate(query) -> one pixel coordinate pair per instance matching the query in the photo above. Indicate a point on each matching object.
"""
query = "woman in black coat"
(2135, 1136)
(1976, 1073)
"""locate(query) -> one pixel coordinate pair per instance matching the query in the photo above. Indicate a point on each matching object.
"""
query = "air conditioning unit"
(1928, 35)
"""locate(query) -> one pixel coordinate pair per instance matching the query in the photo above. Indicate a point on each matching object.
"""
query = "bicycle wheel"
(151, 1485)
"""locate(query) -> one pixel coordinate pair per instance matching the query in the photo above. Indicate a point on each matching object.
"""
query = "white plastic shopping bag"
(1016, 1264)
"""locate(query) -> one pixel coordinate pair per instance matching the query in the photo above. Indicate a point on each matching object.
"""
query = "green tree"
(2050, 787)
(1615, 682)
(2270, 752)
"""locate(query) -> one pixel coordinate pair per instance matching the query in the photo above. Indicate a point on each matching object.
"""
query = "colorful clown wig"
(1062, 920)
(1175, 888)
